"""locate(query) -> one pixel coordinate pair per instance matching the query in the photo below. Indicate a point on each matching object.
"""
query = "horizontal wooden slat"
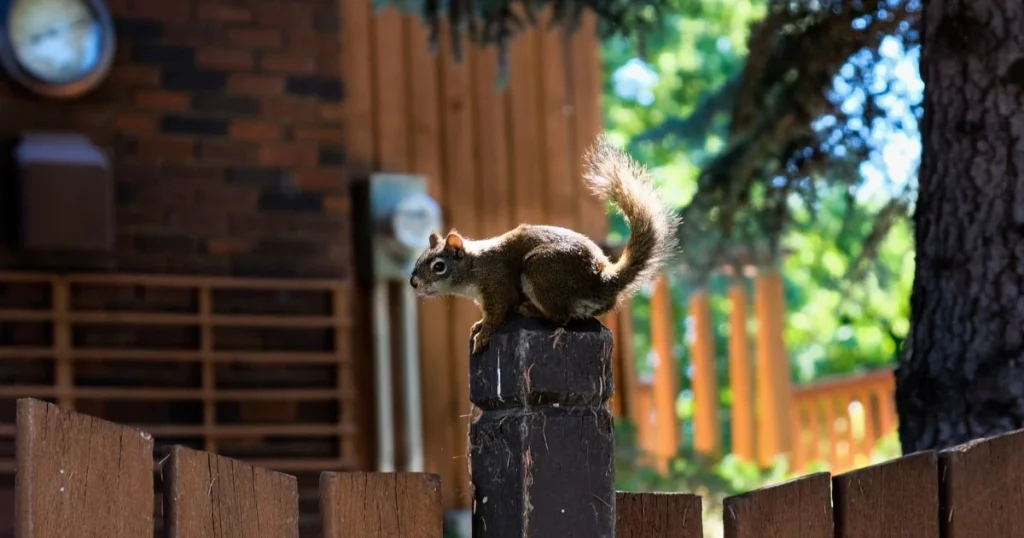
(178, 355)
(171, 281)
(851, 383)
(292, 465)
(150, 318)
(150, 394)
(229, 431)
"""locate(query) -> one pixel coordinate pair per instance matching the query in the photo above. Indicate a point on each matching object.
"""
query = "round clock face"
(57, 41)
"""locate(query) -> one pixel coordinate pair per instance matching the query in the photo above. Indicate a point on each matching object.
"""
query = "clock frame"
(68, 89)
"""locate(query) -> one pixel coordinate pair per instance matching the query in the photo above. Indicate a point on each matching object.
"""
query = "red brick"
(338, 204)
(289, 63)
(195, 34)
(319, 134)
(162, 100)
(332, 112)
(319, 180)
(253, 84)
(288, 155)
(226, 59)
(254, 130)
(165, 149)
(227, 151)
(135, 75)
(135, 123)
(228, 245)
(164, 10)
(291, 108)
(209, 11)
(285, 15)
(256, 38)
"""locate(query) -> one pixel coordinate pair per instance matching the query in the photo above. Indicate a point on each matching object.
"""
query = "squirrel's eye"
(439, 267)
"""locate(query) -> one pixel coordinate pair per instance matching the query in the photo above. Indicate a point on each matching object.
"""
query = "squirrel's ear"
(434, 239)
(453, 241)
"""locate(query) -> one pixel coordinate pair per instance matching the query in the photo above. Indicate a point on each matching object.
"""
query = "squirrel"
(549, 271)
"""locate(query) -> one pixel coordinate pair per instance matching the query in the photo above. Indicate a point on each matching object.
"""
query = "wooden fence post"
(81, 477)
(211, 496)
(542, 449)
(381, 505)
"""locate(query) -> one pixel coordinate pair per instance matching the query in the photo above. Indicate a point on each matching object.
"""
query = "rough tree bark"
(963, 374)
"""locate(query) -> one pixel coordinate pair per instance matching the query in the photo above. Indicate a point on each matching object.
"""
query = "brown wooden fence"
(83, 477)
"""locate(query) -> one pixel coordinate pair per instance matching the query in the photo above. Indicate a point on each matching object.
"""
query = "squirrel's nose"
(412, 281)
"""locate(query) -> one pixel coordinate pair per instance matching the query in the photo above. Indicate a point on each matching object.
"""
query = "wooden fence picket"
(665, 515)
(81, 477)
(800, 508)
(210, 496)
(896, 498)
(982, 487)
(381, 505)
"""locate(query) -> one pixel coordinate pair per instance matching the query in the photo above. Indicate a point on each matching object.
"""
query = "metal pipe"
(411, 377)
(382, 371)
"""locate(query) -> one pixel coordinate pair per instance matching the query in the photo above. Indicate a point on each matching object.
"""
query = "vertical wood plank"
(981, 491)
(896, 498)
(210, 496)
(798, 508)
(740, 374)
(665, 515)
(62, 345)
(665, 390)
(526, 158)
(627, 389)
(381, 505)
(439, 403)
(646, 420)
(560, 185)
(461, 200)
(357, 65)
(587, 87)
(495, 189)
(81, 477)
(707, 430)
(209, 371)
(391, 86)
(611, 320)
(773, 372)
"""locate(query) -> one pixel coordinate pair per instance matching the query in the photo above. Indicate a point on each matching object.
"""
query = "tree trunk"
(962, 376)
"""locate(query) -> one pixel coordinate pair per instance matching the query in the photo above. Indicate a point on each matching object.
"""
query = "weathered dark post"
(542, 449)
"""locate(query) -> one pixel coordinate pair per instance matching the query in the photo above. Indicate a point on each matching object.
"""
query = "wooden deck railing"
(251, 368)
(836, 421)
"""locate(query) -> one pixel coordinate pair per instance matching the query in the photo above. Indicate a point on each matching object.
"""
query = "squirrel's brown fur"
(554, 272)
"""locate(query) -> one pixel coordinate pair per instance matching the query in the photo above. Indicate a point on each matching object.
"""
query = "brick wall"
(223, 121)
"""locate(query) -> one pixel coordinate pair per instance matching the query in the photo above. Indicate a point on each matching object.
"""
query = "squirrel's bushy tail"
(613, 175)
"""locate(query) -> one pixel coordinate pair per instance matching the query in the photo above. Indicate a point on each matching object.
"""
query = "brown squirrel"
(549, 271)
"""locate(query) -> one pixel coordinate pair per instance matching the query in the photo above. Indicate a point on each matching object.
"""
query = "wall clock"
(56, 48)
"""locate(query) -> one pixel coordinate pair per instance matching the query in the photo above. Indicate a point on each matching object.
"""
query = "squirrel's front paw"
(476, 327)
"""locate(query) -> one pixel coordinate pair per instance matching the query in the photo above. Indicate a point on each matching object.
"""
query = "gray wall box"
(66, 197)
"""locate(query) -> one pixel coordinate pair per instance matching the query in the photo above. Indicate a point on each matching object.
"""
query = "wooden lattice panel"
(248, 368)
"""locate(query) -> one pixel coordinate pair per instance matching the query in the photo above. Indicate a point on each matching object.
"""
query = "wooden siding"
(493, 158)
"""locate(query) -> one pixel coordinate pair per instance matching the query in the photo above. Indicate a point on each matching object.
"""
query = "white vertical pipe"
(411, 371)
(382, 370)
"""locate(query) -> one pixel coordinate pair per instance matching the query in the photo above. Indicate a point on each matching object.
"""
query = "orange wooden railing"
(836, 421)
